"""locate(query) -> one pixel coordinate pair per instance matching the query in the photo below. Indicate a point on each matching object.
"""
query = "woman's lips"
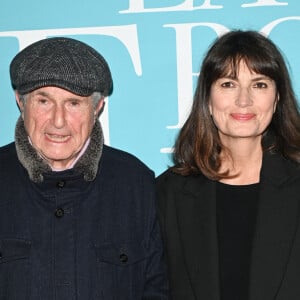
(242, 117)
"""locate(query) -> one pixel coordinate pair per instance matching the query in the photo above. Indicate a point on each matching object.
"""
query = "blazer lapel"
(277, 222)
(198, 232)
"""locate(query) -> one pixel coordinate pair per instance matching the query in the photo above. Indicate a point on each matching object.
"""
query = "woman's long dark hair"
(198, 146)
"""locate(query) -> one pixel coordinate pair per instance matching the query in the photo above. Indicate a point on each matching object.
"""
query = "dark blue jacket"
(67, 238)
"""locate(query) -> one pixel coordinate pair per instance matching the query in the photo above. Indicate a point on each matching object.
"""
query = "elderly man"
(77, 218)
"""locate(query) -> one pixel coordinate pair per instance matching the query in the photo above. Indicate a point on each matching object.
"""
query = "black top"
(236, 216)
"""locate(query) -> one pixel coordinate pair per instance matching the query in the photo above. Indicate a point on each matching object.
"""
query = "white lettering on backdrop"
(138, 6)
(127, 35)
(265, 3)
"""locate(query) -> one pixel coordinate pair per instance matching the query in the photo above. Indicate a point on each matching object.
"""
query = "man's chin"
(57, 158)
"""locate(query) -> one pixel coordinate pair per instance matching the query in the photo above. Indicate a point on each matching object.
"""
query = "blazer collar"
(277, 222)
(277, 170)
(198, 233)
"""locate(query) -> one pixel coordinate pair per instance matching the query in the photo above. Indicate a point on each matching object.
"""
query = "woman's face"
(242, 107)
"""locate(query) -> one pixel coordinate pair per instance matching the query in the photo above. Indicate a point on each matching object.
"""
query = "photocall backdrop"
(154, 49)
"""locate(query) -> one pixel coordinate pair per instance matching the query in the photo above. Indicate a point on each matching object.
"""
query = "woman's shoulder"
(171, 179)
(278, 169)
(169, 176)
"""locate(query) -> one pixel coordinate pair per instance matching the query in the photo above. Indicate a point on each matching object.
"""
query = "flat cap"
(62, 62)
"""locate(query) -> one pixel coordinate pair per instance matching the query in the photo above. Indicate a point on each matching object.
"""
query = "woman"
(229, 207)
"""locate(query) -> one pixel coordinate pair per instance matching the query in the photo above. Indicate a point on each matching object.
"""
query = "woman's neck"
(244, 162)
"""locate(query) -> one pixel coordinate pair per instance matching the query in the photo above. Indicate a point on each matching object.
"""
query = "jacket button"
(59, 212)
(61, 184)
(123, 258)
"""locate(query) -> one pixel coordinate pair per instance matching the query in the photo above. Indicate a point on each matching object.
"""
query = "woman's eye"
(227, 84)
(261, 85)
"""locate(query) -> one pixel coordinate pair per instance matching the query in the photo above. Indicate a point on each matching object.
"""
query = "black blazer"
(187, 212)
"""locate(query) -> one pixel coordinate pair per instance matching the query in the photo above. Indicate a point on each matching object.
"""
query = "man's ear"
(19, 102)
(99, 108)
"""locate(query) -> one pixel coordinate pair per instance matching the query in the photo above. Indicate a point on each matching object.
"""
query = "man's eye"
(42, 101)
(74, 103)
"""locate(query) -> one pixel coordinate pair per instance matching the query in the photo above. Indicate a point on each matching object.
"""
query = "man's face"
(58, 123)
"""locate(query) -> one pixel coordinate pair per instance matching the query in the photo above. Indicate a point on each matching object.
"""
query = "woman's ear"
(275, 103)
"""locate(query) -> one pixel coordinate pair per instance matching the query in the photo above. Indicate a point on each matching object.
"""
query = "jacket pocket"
(121, 269)
(13, 249)
(14, 269)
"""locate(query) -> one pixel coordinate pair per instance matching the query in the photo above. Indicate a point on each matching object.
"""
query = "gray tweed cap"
(62, 62)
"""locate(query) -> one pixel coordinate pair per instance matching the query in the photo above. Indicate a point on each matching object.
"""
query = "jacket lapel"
(277, 222)
(198, 232)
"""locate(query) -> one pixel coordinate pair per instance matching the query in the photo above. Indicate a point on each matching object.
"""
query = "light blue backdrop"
(154, 49)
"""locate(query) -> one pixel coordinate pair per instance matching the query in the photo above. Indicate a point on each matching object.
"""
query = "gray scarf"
(36, 166)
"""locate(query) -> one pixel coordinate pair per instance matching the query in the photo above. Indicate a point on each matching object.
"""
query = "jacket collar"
(36, 166)
(196, 215)
(278, 170)
(275, 170)
(276, 225)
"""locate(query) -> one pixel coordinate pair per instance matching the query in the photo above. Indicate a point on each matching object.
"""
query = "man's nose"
(59, 115)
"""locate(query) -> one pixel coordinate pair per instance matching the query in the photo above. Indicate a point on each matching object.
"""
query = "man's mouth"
(57, 138)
